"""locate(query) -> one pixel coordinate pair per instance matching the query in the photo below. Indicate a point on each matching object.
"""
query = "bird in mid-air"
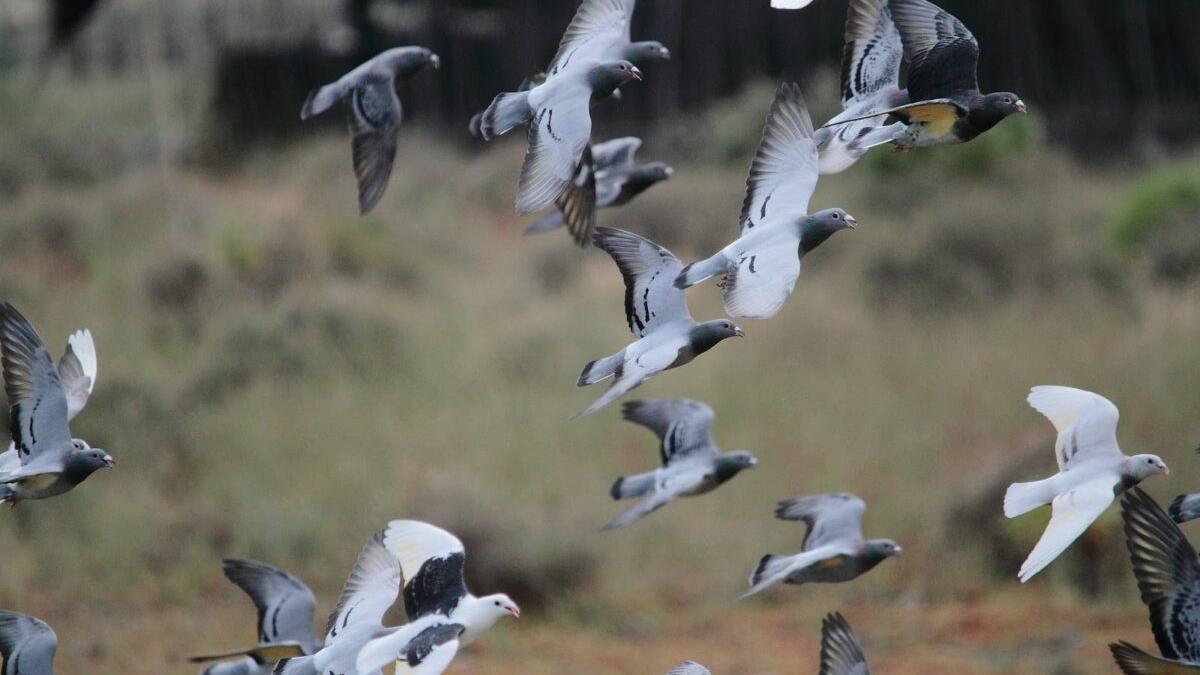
(762, 265)
(375, 113)
(1185, 507)
(833, 549)
(45, 461)
(840, 651)
(285, 609)
(1092, 470)
(692, 464)
(657, 313)
(944, 104)
(1167, 570)
(607, 175)
(27, 645)
(689, 668)
(790, 4)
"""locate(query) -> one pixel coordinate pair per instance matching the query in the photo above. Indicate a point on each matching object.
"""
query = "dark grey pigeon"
(761, 266)
(1185, 507)
(285, 609)
(840, 651)
(375, 113)
(1168, 577)
(607, 176)
(945, 105)
(689, 668)
(27, 644)
(692, 464)
(656, 312)
(833, 550)
(48, 461)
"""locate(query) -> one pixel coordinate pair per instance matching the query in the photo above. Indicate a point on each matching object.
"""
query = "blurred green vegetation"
(279, 377)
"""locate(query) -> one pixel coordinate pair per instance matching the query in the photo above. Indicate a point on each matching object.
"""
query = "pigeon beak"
(899, 551)
(635, 73)
(109, 461)
(1164, 470)
(514, 610)
(1020, 105)
(671, 172)
(666, 53)
(851, 222)
(435, 61)
(738, 332)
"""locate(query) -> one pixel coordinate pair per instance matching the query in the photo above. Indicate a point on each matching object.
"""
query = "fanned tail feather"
(701, 271)
(507, 110)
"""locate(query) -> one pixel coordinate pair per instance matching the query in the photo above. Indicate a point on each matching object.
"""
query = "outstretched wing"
(577, 202)
(683, 426)
(872, 53)
(689, 668)
(36, 398)
(598, 27)
(617, 153)
(374, 124)
(558, 136)
(1086, 422)
(1133, 661)
(831, 518)
(432, 560)
(370, 590)
(1071, 513)
(840, 652)
(77, 370)
(285, 605)
(649, 270)
(942, 54)
(27, 644)
(785, 169)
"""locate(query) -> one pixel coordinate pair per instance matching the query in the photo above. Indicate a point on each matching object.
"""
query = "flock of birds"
(940, 104)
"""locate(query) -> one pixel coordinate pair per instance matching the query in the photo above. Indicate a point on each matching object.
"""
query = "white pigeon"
(435, 596)
(762, 265)
(656, 312)
(1092, 470)
(689, 668)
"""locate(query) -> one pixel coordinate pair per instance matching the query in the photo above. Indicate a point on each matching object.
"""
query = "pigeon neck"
(704, 338)
(727, 467)
(76, 469)
(812, 235)
(476, 616)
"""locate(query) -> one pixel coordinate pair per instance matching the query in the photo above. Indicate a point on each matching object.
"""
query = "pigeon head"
(705, 336)
(731, 463)
(644, 52)
(819, 226)
(883, 548)
(1001, 104)
(610, 75)
(1141, 467)
(499, 605)
(408, 61)
(648, 174)
(84, 459)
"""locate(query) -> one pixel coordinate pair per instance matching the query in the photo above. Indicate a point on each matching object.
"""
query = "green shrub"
(1155, 202)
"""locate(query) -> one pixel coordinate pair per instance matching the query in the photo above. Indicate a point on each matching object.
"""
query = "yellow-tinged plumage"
(939, 117)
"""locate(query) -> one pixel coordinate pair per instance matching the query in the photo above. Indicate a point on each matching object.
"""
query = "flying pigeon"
(436, 598)
(762, 265)
(944, 102)
(375, 113)
(656, 312)
(1092, 470)
(370, 590)
(689, 668)
(1168, 576)
(558, 110)
(27, 644)
(607, 175)
(45, 460)
(691, 462)
(871, 61)
(285, 610)
(790, 4)
(833, 550)
(840, 651)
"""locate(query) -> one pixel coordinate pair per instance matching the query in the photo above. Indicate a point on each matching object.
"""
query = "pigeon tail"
(320, 100)
(475, 125)
(1025, 497)
(870, 138)
(1133, 661)
(632, 486)
(600, 369)
(1184, 508)
(507, 110)
(769, 566)
(6, 493)
(701, 270)
(547, 223)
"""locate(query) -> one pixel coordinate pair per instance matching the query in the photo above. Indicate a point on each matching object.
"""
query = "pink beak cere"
(637, 74)
(514, 610)
(1020, 105)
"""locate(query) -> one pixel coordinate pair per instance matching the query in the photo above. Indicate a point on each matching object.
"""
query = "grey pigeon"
(285, 609)
(1092, 471)
(1168, 576)
(1185, 507)
(945, 105)
(442, 614)
(370, 590)
(607, 175)
(762, 265)
(77, 370)
(833, 550)
(27, 644)
(689, 668)
(375, 113)
(657, 313)
(840, 651)
(559, 110)
(47, 460)
(691, 462)
(871, 61)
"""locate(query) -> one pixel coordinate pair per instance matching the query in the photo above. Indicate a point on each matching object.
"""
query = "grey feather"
(27, 644)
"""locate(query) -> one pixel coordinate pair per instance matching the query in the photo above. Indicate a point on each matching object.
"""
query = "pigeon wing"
(598, 27)
(577, 202)
(1072, 512)
(370, 590)
(77, 370)
(872, 53)
(689, 668)
(617, 153)
(763, 277)
(683, 426)
(649, 270)
(375, 116)
(285, 605)
(432, 560)
(27, 644)
(37, 400)
(558, 136)
(785, 169)
(664, 492)
(840, 651)
(942, 54)
(831, 518)
(1086, 422)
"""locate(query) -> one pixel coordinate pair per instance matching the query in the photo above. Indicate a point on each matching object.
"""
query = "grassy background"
(278, 378)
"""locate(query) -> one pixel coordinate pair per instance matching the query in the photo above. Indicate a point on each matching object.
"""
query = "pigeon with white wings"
(1092, 470)
(370, 590)
(45, 461)
(840, 651)
(558, 110)
(692, 464)
(607, 176)
(871, 61)
(656, 312)
(762, 265)
(27, 645)
(689, 668)
(833, 550)
(375, 113)
(436, 600)
(285, 609)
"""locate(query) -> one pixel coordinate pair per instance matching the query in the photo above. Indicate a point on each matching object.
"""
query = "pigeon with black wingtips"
(840, 652)
(27, 645)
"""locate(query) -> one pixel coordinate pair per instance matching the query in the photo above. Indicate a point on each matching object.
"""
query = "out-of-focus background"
(279, 377)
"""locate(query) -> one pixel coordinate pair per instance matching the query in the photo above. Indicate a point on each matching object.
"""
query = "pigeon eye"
(1007, 99)
(836, 216)
(497, 603)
